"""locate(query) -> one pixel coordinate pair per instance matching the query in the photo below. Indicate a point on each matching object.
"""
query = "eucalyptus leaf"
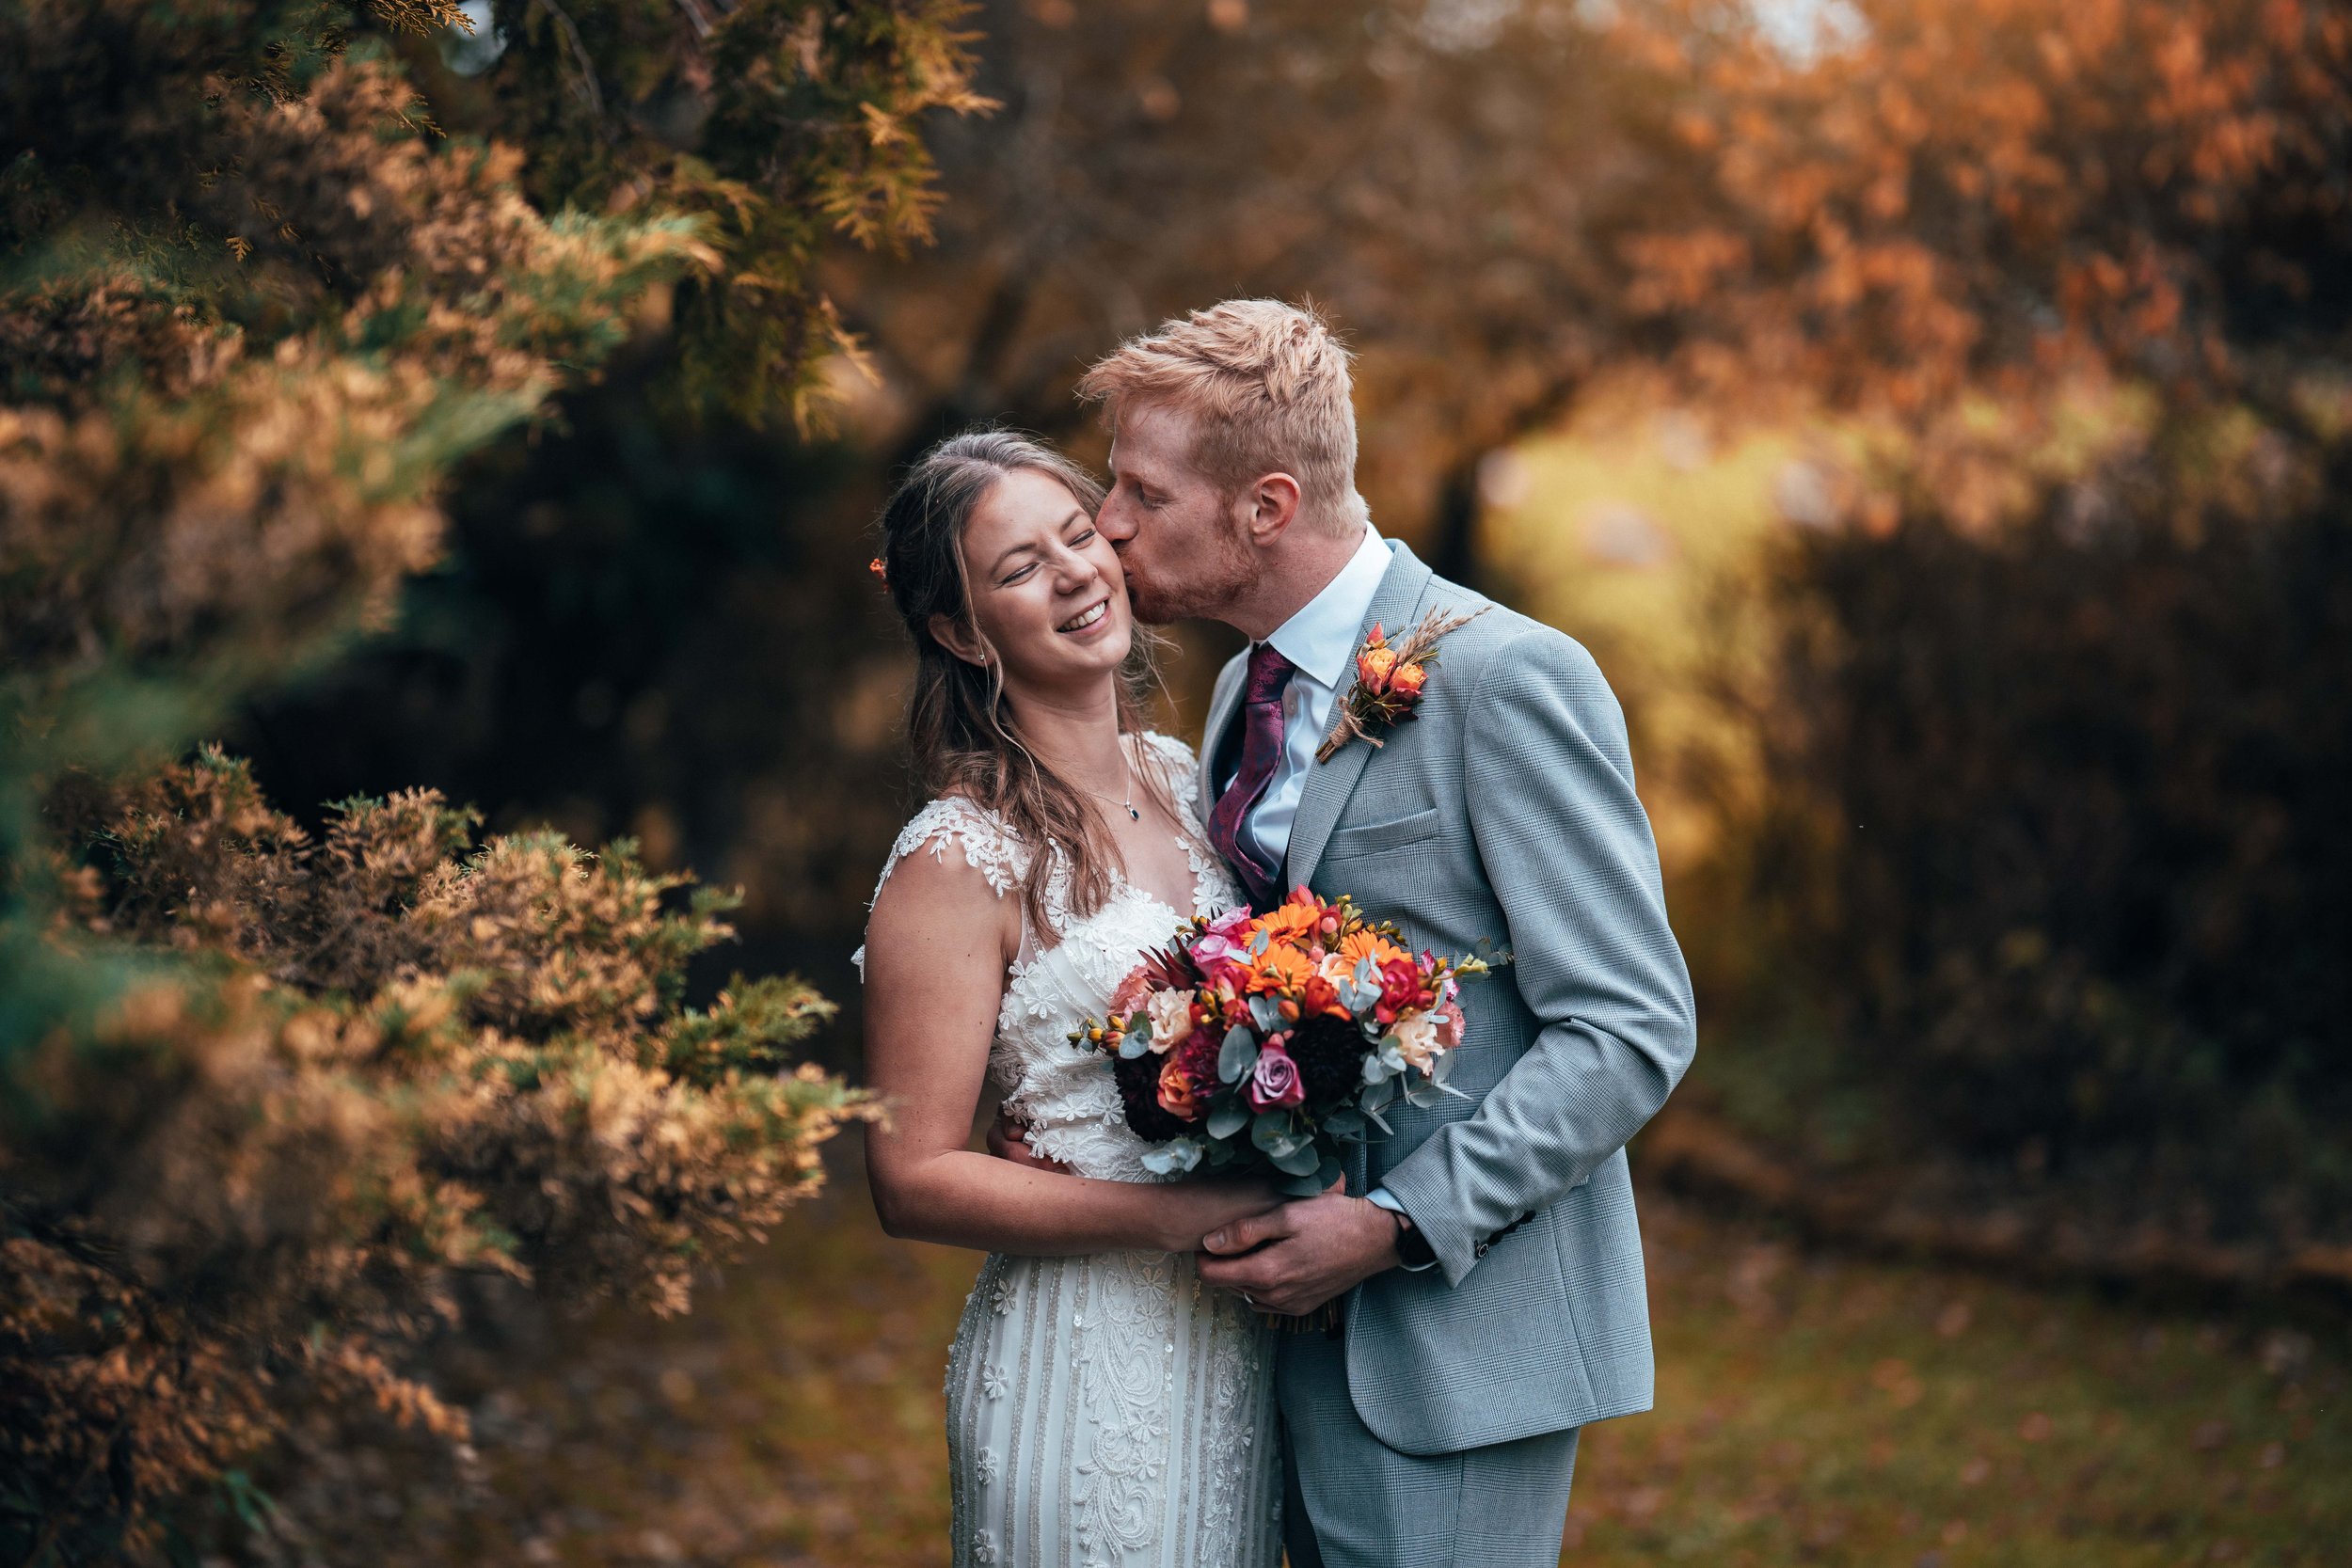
(1345, 1123)
(1237, 1055)
(1177, 1154)
(1299, 1159)
(1301, 1186)
(1134, 1044)
(1227, 1119)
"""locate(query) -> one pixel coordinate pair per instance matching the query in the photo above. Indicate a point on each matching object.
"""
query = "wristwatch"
(1413, 1250)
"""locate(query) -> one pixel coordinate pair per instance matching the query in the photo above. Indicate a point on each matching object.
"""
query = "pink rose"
(1450, 1024)
(1219, 952)
(1133, 993)
(1273, 1083)
(1229, 924)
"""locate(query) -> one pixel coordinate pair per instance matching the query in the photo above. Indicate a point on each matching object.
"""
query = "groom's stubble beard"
(1209, 581)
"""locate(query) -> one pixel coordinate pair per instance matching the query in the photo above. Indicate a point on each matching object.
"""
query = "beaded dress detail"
(1105, 1411)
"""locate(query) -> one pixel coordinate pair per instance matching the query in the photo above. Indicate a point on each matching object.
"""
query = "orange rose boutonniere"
(1389, 682)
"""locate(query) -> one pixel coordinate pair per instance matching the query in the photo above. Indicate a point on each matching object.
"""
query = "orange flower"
(1360, 945)
(1406, 681)
(1291, 921)
(1279, 968)
(1320, 995)
(1373, 667)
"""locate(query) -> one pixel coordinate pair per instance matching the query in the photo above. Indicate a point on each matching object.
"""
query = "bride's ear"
(958, 638)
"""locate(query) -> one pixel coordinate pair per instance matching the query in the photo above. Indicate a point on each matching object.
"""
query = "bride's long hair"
(963, 731)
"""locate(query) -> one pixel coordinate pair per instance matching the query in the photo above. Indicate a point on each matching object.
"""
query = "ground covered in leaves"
(1817, 1410)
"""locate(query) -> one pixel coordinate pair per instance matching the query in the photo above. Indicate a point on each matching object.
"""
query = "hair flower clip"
(1389, 682)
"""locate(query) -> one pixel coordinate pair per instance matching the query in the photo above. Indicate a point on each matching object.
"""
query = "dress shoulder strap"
(976, 832)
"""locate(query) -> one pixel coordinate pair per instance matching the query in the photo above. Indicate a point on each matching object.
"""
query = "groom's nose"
(1113, 522)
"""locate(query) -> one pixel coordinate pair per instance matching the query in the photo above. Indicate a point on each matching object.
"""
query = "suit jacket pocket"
(1383, 838)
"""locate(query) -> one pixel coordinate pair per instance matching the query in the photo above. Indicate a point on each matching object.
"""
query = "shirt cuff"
(1387, 1199)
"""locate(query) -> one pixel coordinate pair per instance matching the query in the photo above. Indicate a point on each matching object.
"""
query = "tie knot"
(1268, 670)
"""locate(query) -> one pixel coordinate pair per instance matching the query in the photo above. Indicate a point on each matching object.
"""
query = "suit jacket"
(1505, 811)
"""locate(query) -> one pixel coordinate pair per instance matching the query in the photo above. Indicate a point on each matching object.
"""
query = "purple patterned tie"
(1261, 752)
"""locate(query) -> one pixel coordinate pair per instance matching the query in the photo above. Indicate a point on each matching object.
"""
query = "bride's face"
(1047, 592)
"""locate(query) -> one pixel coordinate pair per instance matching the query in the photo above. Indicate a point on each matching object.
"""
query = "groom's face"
(1176, 532)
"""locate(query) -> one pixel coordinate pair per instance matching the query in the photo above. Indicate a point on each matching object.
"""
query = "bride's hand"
(1205, 1203)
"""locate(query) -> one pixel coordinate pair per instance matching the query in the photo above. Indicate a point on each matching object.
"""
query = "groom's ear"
(1270, 506)
(958, 639)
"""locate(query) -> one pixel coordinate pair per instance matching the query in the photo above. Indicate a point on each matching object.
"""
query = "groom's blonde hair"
(1268, 383)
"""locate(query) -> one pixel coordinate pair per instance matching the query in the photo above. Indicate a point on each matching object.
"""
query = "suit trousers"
(1351, 1501)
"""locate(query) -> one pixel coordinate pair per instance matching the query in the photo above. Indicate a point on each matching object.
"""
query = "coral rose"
(1179, 1096)
(1406, 681)
(1373, 667)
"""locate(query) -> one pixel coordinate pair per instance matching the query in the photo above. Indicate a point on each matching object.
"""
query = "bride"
(1104, 1406)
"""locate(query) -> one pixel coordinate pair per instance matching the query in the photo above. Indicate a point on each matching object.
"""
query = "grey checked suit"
(1505, 812)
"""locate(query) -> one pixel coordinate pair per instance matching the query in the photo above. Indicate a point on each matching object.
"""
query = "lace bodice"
(1067, 972)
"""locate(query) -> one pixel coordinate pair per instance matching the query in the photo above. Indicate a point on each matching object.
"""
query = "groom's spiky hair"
(1269, 384)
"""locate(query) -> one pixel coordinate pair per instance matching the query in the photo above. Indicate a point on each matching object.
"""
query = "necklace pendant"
(1134, 815)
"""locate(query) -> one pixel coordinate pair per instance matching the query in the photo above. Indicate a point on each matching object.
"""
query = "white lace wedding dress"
(1107, 1411)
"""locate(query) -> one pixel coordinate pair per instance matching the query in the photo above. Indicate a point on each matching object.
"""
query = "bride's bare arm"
(936, 950)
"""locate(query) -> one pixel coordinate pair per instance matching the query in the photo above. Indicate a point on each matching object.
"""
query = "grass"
(1812, 1410)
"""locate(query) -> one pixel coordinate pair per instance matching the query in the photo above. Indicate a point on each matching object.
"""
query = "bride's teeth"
(1079, 622)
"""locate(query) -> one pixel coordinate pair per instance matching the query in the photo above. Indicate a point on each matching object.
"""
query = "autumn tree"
(267, 1094)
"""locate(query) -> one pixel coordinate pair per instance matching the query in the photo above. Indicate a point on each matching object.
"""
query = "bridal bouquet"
(1268, 1040)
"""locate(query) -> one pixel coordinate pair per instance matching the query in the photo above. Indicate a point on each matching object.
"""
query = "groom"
(1487, 1250)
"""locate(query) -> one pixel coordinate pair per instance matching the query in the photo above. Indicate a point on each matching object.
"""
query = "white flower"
(1171, 1019)
(983, 1546)
(1416, 1039)
(1000, 1300)
(991, 1381)
(987, 1466)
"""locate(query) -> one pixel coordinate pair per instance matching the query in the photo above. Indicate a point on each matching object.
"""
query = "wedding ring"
(1245, 1301)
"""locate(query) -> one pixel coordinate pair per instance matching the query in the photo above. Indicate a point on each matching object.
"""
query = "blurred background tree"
(269, 1096)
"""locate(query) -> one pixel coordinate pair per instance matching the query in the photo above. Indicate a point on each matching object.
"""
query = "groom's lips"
(1091, 615)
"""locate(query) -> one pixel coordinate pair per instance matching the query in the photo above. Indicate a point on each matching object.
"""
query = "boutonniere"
(1389, 681)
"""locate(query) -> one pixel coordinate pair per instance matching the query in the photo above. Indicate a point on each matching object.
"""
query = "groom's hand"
(1309, 1251)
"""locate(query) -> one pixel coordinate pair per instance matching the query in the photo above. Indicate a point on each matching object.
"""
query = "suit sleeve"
(1548, 784)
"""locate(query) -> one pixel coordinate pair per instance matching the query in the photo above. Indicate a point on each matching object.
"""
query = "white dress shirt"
(1320, 642)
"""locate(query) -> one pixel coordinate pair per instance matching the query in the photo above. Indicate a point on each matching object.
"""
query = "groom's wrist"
(1410, 1250)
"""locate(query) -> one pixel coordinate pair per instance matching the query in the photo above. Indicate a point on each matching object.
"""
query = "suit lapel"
(1222, 702)
(1329, 783)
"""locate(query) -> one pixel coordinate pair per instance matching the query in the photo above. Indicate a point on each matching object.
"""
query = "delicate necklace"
(1129, 772)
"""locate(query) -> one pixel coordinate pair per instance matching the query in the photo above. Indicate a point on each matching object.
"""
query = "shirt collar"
(1319, 638)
